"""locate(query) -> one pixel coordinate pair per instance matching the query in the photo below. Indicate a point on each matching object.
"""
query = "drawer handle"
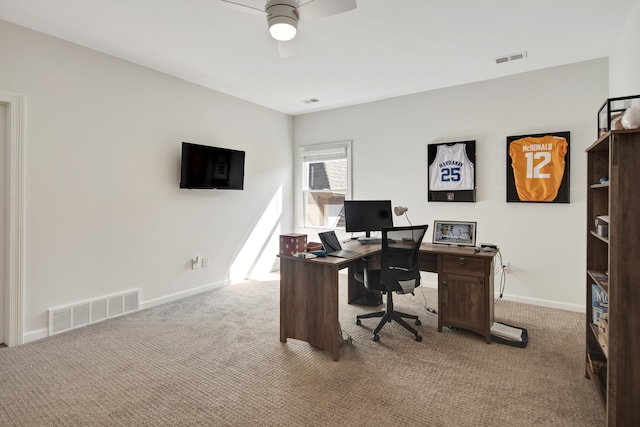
(461, 260)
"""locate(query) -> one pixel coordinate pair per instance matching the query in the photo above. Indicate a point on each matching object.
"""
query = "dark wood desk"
(309, 291)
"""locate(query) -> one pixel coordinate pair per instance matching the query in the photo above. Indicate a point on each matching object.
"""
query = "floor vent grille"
(73, 316)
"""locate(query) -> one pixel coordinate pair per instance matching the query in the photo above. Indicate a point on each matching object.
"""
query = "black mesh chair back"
(399, 272)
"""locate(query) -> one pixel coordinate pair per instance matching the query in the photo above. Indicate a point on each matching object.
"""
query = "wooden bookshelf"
(613, 264)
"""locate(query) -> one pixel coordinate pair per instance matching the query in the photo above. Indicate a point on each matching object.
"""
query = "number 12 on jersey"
(538, 165)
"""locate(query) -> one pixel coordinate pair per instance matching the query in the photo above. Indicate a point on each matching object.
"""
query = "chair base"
(387, 316)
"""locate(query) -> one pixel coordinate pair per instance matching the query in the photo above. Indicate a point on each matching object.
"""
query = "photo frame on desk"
(451, 173)
(538, 168)
(455, 233)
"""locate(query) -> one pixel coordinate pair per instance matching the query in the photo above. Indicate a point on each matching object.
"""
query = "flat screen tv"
(208, 167)
(367, 215)
(459, 233)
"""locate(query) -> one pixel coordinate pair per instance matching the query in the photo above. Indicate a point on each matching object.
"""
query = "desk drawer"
(462, 264)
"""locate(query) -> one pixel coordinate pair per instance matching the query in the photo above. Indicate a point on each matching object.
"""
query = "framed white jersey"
(538, 168)
(451, 173)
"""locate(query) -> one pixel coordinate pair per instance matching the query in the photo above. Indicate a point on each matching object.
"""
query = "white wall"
(624, 61)
(544, 243)
(104, 213)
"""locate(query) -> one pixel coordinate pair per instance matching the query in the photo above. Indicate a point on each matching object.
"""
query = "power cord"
(426, 306)
(501, 271)
(341, 338)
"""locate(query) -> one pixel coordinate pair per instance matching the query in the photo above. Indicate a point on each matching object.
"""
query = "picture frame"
(454, 233)
(538, 167)
(451, 172)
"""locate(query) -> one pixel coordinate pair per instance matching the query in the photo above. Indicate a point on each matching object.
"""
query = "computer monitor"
(367, 215)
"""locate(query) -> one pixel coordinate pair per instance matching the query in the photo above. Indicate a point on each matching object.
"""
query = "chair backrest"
(399, 269)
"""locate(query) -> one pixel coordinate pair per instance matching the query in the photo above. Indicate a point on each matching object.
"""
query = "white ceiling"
(382, 49)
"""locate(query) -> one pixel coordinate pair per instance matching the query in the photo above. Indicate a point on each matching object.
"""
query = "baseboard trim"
(37, 334)
(546, 303)
(183, 294)
(44, 332)
(531, 301)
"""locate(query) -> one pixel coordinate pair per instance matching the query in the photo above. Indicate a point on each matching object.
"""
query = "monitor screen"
(367, 215)
(211, 167)
(459, 233)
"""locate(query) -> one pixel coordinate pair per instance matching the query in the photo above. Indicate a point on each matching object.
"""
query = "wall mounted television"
(459, 233)
(208, 167)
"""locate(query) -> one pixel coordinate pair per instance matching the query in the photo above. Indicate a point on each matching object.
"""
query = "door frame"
(14, 217)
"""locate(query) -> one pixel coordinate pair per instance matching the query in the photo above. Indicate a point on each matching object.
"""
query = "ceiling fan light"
(282, 28)
(282, 19)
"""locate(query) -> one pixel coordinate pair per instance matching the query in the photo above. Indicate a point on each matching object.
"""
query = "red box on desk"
(292, 243)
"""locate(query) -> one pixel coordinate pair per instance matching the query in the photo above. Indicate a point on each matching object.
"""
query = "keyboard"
(344, 253)
(370, 240)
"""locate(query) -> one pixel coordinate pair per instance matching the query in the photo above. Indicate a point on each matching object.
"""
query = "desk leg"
(440, 306)
(309, 303)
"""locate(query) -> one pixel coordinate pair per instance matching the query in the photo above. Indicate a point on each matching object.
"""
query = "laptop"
(332, 246)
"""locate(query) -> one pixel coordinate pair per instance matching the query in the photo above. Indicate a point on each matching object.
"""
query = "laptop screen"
(330, 241)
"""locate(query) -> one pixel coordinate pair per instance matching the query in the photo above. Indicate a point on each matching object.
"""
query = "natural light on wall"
(257, 256)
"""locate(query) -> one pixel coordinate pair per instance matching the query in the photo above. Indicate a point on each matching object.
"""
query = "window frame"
(322, 151)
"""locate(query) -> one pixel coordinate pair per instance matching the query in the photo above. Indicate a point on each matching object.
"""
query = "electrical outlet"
(195, 263)
(205, 262)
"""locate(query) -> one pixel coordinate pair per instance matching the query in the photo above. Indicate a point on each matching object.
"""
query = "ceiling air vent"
(512, 57)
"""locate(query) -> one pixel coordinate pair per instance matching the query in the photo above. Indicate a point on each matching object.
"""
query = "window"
(326, 183)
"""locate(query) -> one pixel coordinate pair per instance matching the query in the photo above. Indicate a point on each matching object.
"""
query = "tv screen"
(367, 215)
(208, 167)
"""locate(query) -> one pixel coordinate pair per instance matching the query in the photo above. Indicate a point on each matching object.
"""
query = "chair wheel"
(376, 338)
(418, 338)
(358, 322)
(418, 322)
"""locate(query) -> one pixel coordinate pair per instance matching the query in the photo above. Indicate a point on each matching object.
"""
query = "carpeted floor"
(216, 359)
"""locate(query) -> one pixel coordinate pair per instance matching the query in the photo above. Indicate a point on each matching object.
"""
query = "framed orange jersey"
(538, 168)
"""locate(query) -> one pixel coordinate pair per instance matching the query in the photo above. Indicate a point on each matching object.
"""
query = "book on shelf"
(600, 276)
(602, 225)
(599, 303)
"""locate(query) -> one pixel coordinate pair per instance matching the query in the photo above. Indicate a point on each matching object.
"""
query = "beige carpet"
(216, 359)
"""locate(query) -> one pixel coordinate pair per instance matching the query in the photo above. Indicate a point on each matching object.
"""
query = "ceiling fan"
(283, 15)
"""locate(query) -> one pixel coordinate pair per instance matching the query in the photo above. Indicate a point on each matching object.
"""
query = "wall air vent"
(509, 58)
(73, 316)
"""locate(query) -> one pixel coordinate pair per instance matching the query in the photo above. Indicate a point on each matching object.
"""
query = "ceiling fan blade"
(321, 8)
(287, 49)
(239, 7)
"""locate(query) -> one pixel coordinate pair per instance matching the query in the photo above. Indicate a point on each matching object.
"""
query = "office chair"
(398, 272)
